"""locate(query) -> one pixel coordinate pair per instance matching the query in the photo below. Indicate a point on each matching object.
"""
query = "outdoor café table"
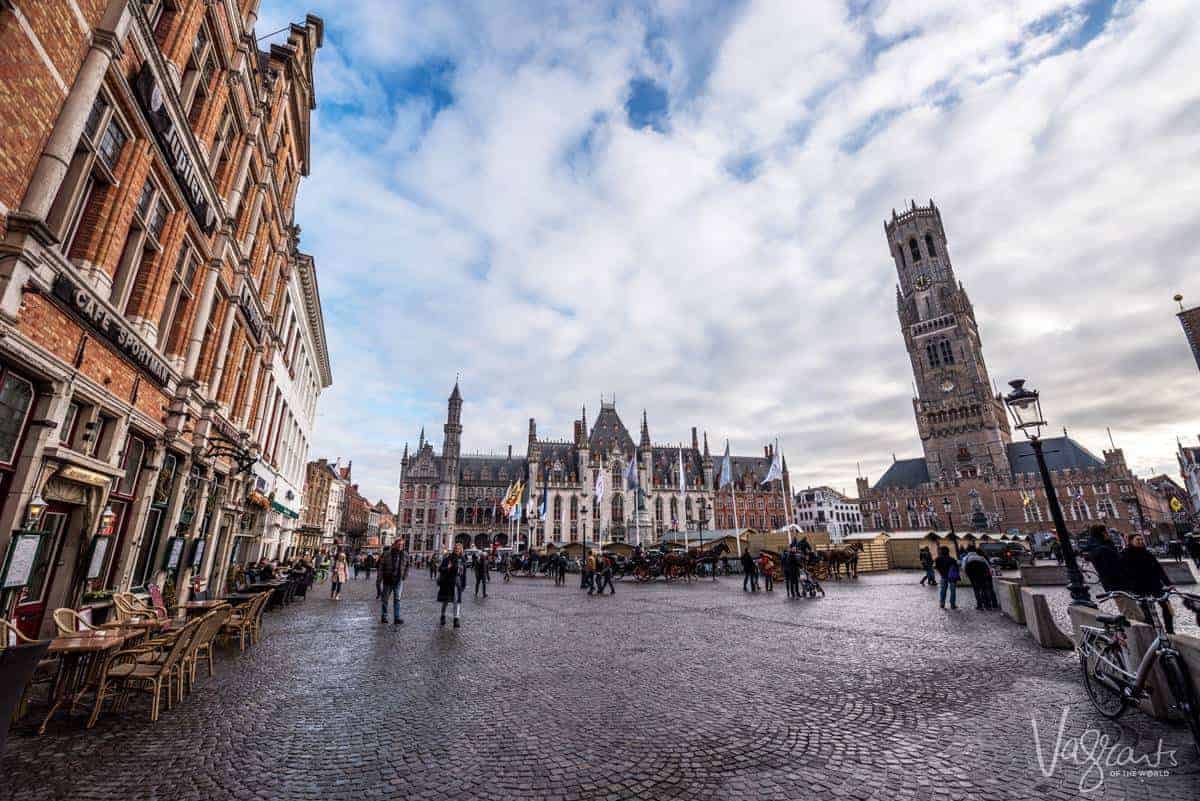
(146, 626)
(200, 607)
(80, 653)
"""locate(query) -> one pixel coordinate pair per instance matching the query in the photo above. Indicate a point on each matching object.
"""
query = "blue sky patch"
(648, 105)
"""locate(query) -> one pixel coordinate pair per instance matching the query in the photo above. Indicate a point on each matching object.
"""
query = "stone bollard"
(1008, 593)
(1041, 623)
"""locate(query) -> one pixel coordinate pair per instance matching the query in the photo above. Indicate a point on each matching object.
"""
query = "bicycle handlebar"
(1167, 593)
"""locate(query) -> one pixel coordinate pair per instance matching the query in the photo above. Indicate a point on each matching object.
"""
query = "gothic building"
(450, 496)
(973, 475)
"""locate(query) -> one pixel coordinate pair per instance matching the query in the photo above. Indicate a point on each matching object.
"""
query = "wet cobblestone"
(690, 692)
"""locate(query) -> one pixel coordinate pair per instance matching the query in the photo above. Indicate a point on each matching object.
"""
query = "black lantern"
(1025, 406)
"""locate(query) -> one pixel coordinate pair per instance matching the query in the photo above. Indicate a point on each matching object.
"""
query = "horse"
(848, 556)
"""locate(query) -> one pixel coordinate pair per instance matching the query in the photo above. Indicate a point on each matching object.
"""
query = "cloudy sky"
(681, 202)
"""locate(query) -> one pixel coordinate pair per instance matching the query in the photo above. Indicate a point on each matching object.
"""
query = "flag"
(600, 485)
(682, 475)
(726, 469)
(512, 498)
(776, 471)
(631, 476)
(545, 500)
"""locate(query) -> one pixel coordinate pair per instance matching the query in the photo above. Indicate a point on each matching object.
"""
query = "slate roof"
(665, 463)
(904, 473)
(490, 469)
(1061, 452)
(563, 452)
(609, 434)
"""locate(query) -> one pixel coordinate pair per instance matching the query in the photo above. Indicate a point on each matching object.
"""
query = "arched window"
(618, 509)
(931, 353)
(947, 352)
(558, 507)
(458, 515)
(900, 250)
(421, 493)
(658, 509)
(915, 248)
(687, 509)
(929, 246)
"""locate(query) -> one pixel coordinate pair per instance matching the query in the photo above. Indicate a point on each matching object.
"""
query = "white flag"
(726, 469)
(776, 471)
(600, 485)
(682, 475)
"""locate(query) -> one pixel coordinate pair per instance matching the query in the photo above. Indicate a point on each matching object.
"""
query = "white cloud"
(527, 236)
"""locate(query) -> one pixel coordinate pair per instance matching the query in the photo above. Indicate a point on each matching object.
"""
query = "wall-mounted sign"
(99, 552)
(82, 475)
(111, 327)
(254, 320)
(21, 557)
(173, 143)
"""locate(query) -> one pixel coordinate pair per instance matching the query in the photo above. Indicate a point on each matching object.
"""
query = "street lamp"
(947, 506)
(1026, 409)
(35, 510)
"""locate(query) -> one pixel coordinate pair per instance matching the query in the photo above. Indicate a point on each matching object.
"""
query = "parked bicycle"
(1110, 683)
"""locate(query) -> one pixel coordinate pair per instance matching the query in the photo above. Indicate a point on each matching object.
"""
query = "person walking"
(979, 572)
(433, 567)
(767, 567)
(1104, 557)
(341, 574)
(452, 577)
(1142, 574)
(561, 570)
(1193, 549)
(927, 565)
(749, 574)
(483, 572)
(947, 568)
(604, 566)
(393, 570)
(589, 573)
(1175, 549)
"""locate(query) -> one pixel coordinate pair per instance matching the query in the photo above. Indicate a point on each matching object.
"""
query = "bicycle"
(1111, 686)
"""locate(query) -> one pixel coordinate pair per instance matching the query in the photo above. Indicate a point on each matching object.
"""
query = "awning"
(283, 510)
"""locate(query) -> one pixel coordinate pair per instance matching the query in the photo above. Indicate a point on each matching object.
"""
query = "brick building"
(152, 293)
(319, 477)
(355, 511)
(973, 475)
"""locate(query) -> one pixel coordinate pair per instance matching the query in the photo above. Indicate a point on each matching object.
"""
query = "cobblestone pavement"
(690, 692)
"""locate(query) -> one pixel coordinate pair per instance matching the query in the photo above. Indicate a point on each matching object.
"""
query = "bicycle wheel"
(1184, 693)
(1108, 701)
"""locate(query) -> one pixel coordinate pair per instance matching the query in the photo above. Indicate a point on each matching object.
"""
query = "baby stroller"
(809, 586)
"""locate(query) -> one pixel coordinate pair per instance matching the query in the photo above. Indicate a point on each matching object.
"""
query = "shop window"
(16, 398)
(89, 174)
(142, 243)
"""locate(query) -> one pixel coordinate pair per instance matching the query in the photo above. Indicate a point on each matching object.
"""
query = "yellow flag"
(1176, 506)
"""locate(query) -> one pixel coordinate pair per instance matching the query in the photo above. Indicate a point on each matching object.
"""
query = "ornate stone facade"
(451, 496)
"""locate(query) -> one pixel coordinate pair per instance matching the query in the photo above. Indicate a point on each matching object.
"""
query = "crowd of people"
(793, 564)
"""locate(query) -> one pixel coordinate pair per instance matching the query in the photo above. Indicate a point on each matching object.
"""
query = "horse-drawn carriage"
(674, 564)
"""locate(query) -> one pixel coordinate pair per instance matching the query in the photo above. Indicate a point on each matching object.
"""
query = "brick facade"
(141, 338)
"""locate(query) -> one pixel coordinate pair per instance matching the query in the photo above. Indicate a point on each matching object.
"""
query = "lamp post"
(1025, 406)
(947, 506)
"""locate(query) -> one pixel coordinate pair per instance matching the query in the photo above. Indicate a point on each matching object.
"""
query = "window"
(947, 351)
(179, 295)
(197, 77)
(143, 572)
(929, 246)
(558, 515)
(16, 398)
(135, 451)
(931, 353)
(900, 250)
(916, 250)
(141, 243)
(67, 430)
(89, 174)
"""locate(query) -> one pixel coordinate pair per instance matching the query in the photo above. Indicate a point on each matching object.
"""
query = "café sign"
(254, 320)
(173, 142)
(111, 326)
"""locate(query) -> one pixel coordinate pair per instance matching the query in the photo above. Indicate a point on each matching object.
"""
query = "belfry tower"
(962, 424)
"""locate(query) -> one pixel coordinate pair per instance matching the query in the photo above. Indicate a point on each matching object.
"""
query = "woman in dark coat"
(1142, 574)
(452, 577)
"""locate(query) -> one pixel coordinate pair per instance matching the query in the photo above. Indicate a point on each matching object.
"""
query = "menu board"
(175, 553)
(99, 551)
(22, 556)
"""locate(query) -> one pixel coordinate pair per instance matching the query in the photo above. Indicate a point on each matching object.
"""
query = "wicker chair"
(202, 644)
(129, 606)
(256, 624)
(68, 621)
(131, 670)
(240, 623)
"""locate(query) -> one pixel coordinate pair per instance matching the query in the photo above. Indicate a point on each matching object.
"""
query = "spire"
(404, 458)
(706, 453)
(645, 438)
(421, 442)
(455, 395)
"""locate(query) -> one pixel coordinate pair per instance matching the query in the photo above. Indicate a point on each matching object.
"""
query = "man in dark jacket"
(560, 567)
(482, 574)
(749, 573)
(1142, 574)
(947, 569)
(393, 570)
(452, 578)
(1104, 557)
(791, 571)
(976, 566)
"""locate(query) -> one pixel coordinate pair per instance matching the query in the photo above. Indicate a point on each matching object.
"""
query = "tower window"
(915, 248)
(903, 263)
(929, 246)
(947, 352)
(931, 353)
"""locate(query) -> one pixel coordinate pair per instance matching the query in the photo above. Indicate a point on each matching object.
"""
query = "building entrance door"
(31, 606)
